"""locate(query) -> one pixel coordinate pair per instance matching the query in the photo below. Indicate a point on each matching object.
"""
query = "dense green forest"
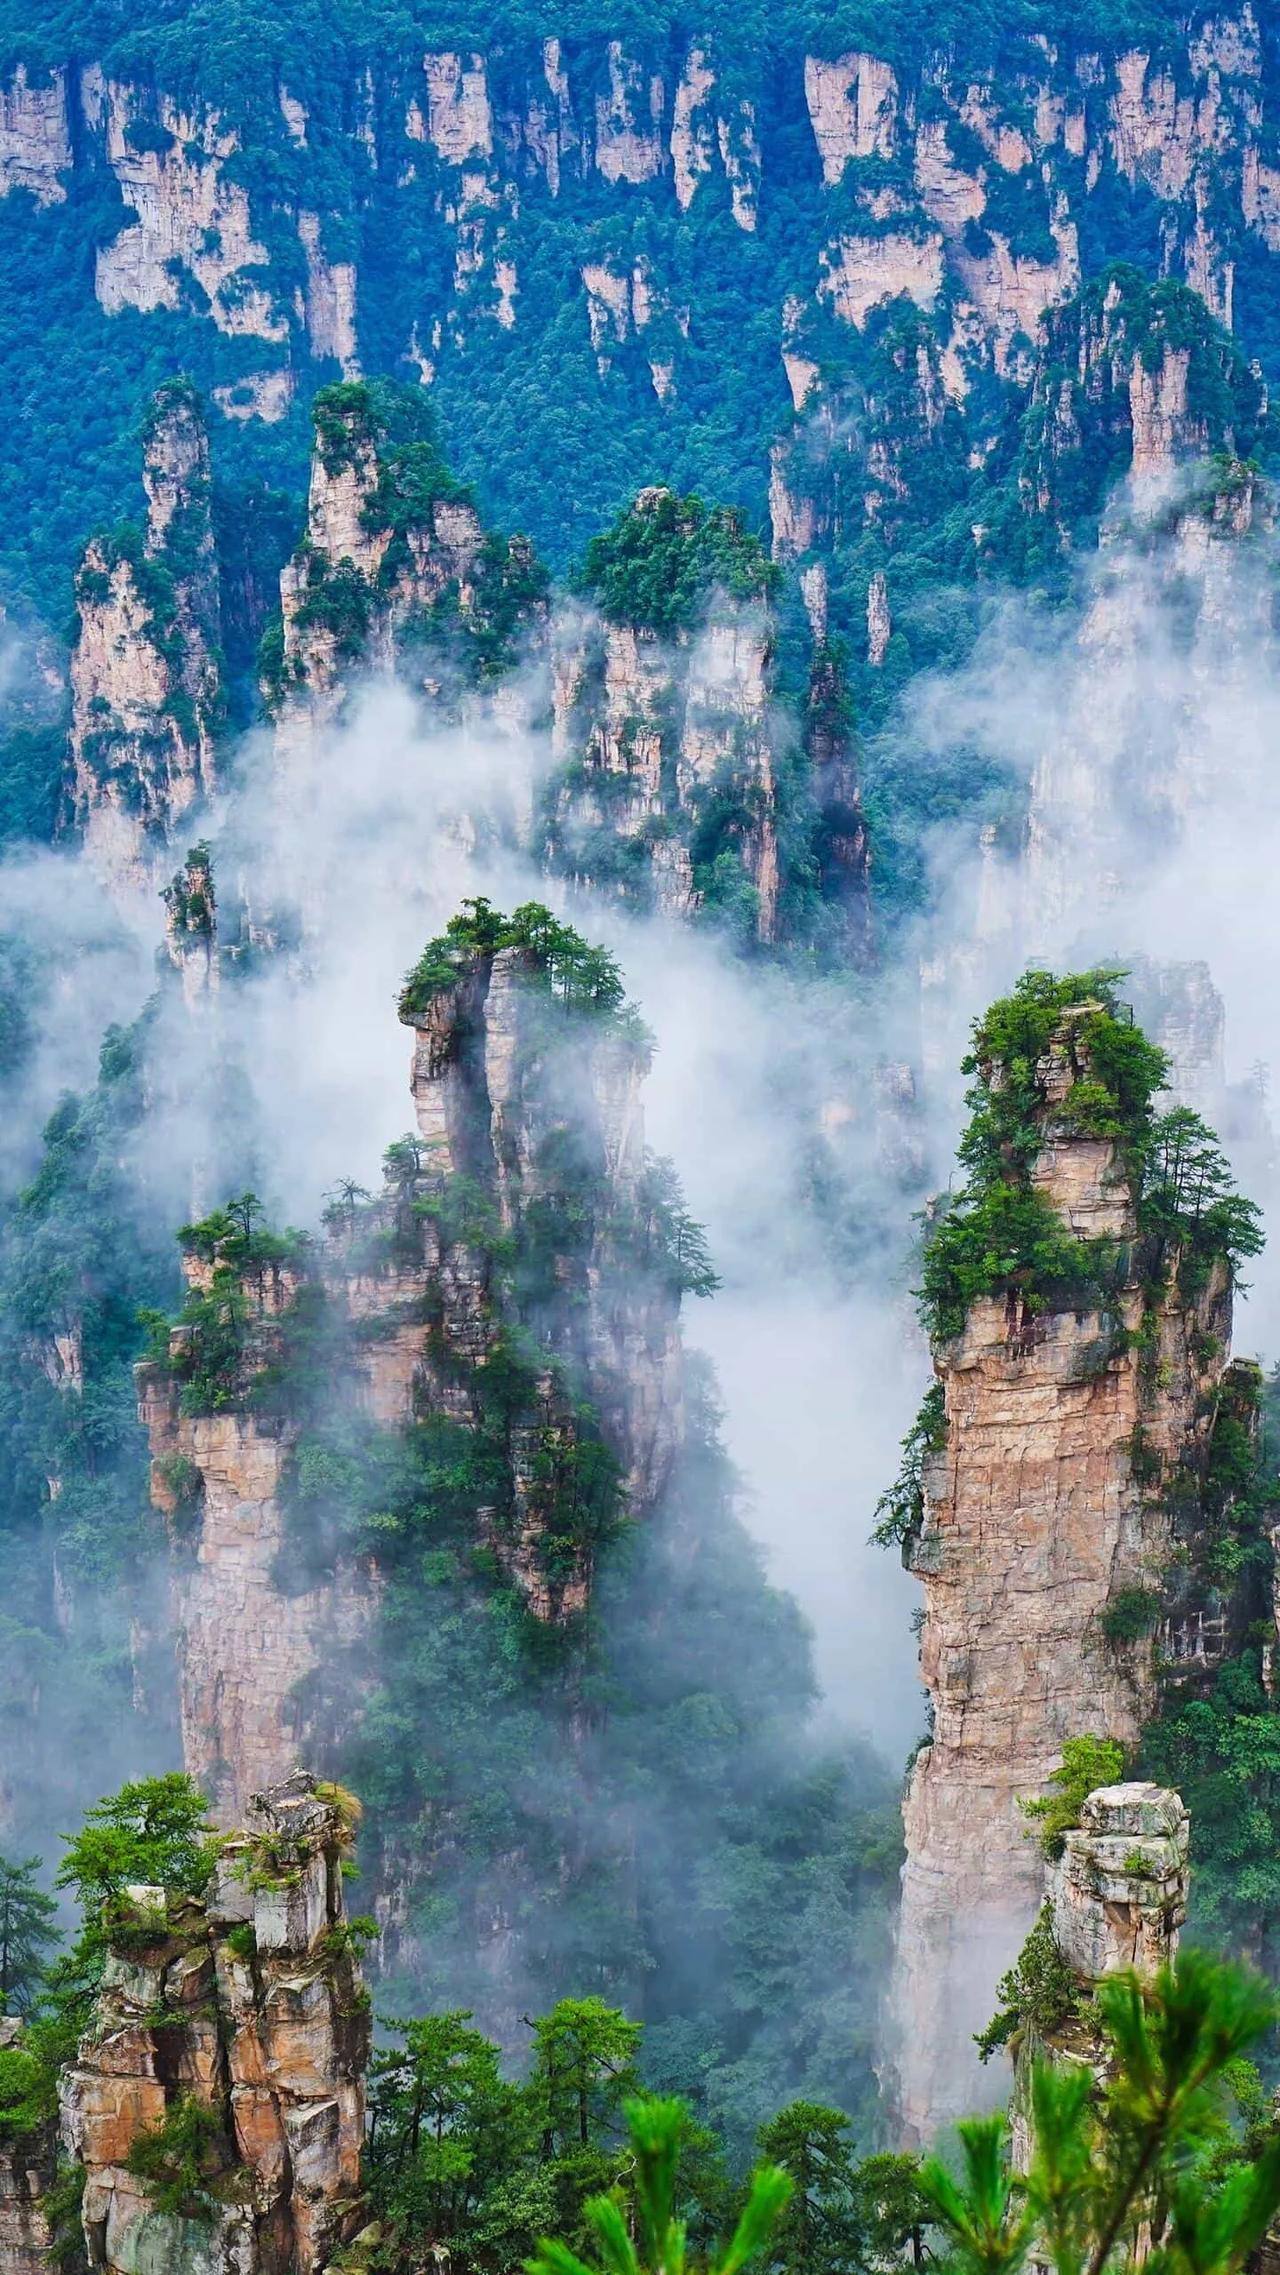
(223, 50)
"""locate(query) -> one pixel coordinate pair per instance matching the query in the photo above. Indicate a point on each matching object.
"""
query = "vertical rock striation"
(395, 572)
(145, 670)
(1062, 1464)
(242, 2018)
(529, 1145)
(1117, 1895)
(247, 1630)
(501, 1087)
(663, 717)
(1115, 1899)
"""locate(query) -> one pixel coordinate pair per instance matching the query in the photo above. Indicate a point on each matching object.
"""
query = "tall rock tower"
(518, 1239)
(1078, 1293)
(230, 2036)
(145, 669)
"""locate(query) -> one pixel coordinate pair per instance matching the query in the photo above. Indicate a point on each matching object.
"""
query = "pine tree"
(27, 1933)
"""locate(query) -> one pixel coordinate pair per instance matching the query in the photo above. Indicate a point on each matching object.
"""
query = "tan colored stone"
(330, 300)
(949, 195)
(628, 121)
(698, 703)
(1118, 1892)
(188, 214)
(459, 121)
(27, 2165)
(1035, 1517)
(879, 621)
(142, 729)
(858, 274)
(853, 107)
(35, 137)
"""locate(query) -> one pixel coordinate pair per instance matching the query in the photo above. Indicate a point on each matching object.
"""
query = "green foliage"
(1086, 1763)
(183, 2163)
(337, 598)
(822, 2230)
(578, 977)
(447, 2137)
(657, 2129)
(78, 1257)
(900, 1508)
(1216, 1735)
(189, 896)
(1005, 1239)
(665, 1240)
(229, 1342)
(1114, 2167)
(665, 558)
(346, 422)
(999, 1234)
(694, 1683)
(1188, 1198)
(28, 2093)
(236, 1238)
(1222, 1753)
(1039, 1992)
(62, 2206)
(387, 430)
(27, 1932)
(1129, 1615)
(895, 2211)
(464, 2160)
(583, 2069)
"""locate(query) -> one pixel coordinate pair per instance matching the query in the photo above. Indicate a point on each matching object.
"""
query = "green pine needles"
(1087, 1763)
(900, 1509)
(1038, 1994)
(577, 976)
(657, 2129)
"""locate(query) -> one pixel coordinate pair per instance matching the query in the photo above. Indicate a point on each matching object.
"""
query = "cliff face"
(1115, 1900)
(1072, 1436)
(394, 573)
(668, 743)
(245, 1636)
(26, 2175)
(241, 2019)
(531, 1139)
(1132, 379)
(984, 190)
(499, 1089)
(145, 666)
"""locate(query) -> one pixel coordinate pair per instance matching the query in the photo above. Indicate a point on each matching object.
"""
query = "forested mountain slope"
(782, 505)
(798, 266)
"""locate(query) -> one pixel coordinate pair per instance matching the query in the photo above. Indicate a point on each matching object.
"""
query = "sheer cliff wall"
(1048, 1496)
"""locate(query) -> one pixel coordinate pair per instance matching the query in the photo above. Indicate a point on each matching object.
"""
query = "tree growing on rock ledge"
(1067, 1051)
(1058, 1493)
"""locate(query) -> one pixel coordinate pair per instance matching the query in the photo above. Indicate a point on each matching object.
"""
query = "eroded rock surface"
(146, 696)
(1047, 1499)
(410, 1293)
(247, 2003)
